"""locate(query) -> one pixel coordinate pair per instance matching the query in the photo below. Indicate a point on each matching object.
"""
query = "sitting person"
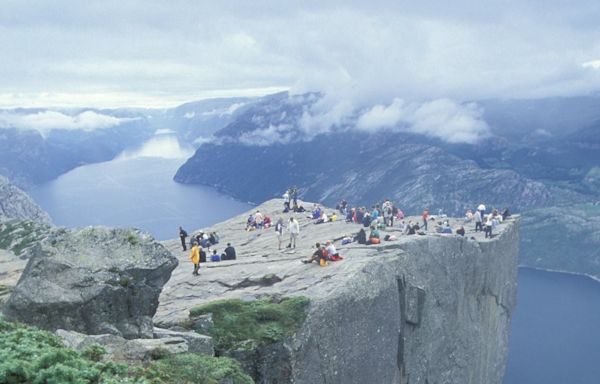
(361, 237)
(350, 215)
(366, 221)
(322, 219)
(411, 229)
(468, 216)
(267, 222)
(447, 229)
(374, 236)
(332, 253)
(318, 256)
(402, 226)
(333, 217)
(215, 256)
(460, 231)
(229, 253)
(213, 238)
(316, 213)
(250, 223)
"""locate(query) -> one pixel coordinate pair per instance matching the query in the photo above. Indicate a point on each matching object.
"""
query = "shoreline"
(596, 279)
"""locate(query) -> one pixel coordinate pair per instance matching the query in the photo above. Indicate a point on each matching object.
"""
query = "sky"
(133, 53)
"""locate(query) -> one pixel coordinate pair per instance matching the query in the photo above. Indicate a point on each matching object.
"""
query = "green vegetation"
(189, 368)
(16, 236)
(28, 355)
(241, 324)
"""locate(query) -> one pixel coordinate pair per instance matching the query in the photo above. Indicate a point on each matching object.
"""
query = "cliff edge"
(421, 309)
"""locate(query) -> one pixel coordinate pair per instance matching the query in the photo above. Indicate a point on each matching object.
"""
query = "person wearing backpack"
(182, 235)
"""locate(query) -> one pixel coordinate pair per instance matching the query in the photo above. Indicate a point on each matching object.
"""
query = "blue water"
(136, 193)
(555, 332)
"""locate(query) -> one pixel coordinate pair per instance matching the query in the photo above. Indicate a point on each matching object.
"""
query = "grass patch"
(241, 324)
(16, 236)
(29, 355)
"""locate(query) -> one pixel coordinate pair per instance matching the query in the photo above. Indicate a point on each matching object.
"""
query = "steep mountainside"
(16, 204)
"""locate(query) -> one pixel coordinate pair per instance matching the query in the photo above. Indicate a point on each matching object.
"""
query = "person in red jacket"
(425, 217)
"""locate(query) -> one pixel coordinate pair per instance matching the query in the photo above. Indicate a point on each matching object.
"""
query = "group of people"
(202, 241)
(257, 221)
(380, 216)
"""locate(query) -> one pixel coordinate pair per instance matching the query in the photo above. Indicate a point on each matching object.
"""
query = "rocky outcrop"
(16, 204)
(94, 281)
(421, 309)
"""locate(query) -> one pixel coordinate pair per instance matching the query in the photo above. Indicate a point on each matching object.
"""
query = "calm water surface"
(136, 193)
(555, 333)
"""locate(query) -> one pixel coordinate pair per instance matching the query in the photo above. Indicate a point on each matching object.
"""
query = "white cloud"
(594, 64)
(46, 121)
(161, 146)
(220, 112)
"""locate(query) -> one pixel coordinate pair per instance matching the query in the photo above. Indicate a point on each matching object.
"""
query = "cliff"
(421, 309)
(16, 204)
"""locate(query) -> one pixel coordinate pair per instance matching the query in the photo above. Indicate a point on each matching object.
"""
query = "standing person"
(478, 221)
(294, 229)
(481, 209)
(182, 235)
(488, 227)
(294, 194)
(279, 231)
(425, 217)
(195, 258)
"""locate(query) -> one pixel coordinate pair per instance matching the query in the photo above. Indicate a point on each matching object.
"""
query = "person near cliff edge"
(294, 228)
(279, 231)
(182, 235)
(425, 217)
(195, 258)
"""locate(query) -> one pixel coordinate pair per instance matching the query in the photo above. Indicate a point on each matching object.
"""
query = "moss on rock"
(243, 324)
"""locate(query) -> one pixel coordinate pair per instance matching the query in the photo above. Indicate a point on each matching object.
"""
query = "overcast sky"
(150, 53)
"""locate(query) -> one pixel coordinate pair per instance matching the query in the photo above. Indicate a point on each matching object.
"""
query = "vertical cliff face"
(16, 204)
(432, 310)
(421, 309)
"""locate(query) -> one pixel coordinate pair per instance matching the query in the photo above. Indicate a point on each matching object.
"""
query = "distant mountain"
(39, 145)
(542, 158)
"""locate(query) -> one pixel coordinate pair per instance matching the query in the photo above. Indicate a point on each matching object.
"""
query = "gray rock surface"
(196, 343)
(421, 309)
(135, 351)
(16, 204)
(94, 281)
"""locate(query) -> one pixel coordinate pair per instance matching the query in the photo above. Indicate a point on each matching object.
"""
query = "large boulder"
(94, 281)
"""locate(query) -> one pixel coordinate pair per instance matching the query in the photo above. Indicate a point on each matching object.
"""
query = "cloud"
(369, 52)
(220, 112)
(46, 121)
(161, 146)
(441, 119)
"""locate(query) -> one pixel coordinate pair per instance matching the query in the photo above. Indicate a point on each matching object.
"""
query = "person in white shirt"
(294, 228)
(331, 251)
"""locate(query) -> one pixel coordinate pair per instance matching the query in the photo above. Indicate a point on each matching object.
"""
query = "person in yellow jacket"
(195, 258)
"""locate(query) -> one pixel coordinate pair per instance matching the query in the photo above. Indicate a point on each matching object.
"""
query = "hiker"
(286, 201)
(425, 217)
(294, 195)
(399, 214)
(488, 227)
(478, 221)
(215, 256)
(279, 231)
(360, 216)
(366, 221)
(411, 229)
(446, 229)
(267, 222)
(350, 215)
(318, 256)
(361, 237)
(460, 231)
(468, 216)
(375, 212)
(481, 209)
(402, 226)
(294, 229)
(250, 223)
(182, 235)
(229, 253)
(342, 206)
(316, 213)
(374, 236)
(195, 258)
(322, 219)
(332, 253)
(259, 220)
(505, 214)
(213, 238)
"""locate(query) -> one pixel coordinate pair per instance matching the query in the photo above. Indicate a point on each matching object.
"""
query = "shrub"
(240, 324)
